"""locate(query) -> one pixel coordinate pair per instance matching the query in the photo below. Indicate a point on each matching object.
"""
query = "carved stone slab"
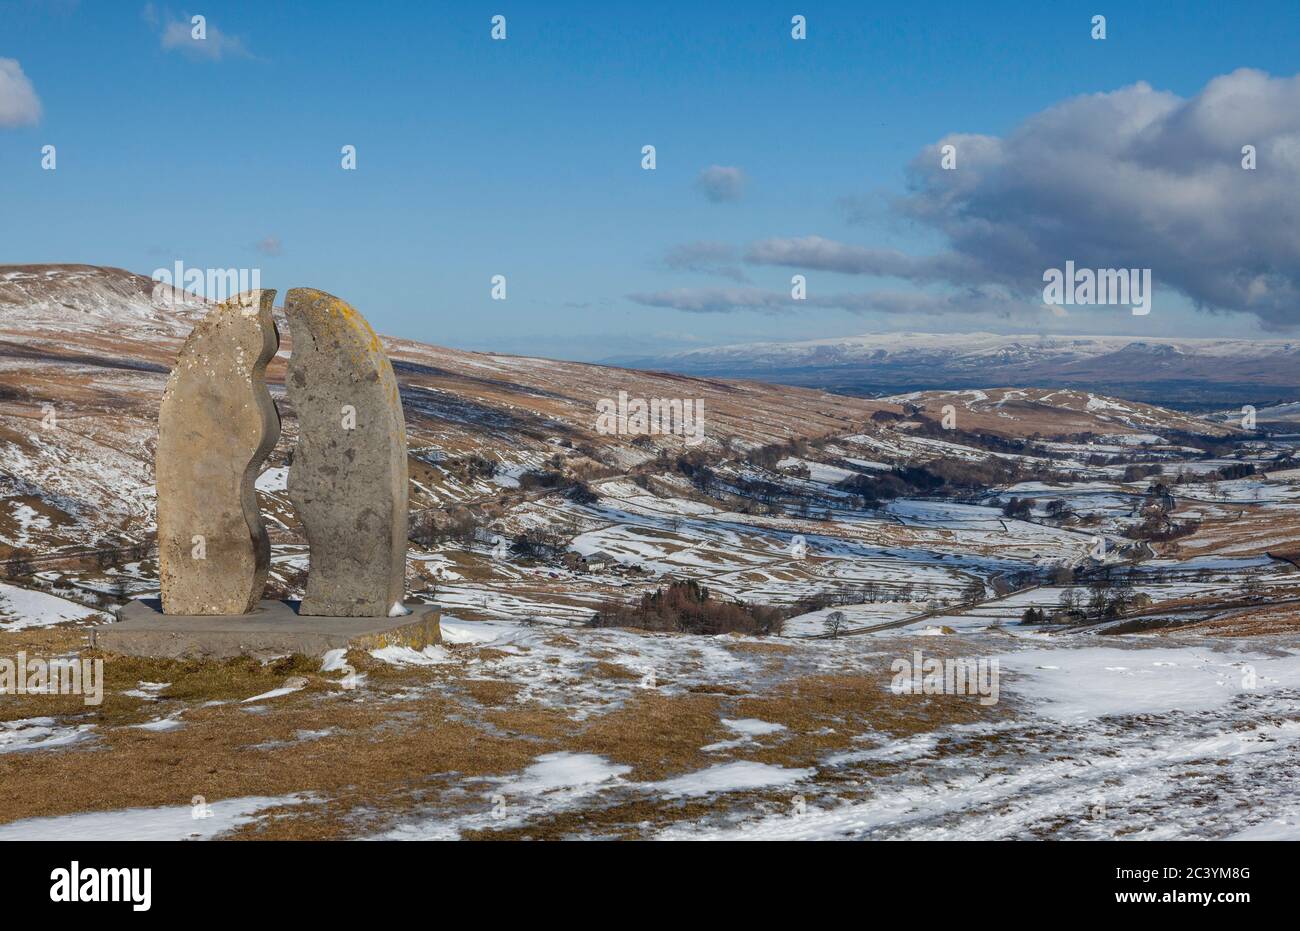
(216, 426)
(348, 479)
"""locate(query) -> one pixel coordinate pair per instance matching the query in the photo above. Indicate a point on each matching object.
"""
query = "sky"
(774, 157)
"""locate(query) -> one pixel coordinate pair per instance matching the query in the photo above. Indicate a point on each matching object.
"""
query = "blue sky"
(523, 157)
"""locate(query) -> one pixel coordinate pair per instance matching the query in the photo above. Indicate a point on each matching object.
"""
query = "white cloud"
(19, 105)
(178, 35)
(1134, 178)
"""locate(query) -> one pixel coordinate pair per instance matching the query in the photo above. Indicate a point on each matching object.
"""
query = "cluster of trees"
(554, 480)
(473, 466)
(689, 607)
(1158, 527)
(693, 464)
(542, 479)
(771, 495)
(429, 528)
(1108, 598)
(19, 565)
(950, 477)
(766, 457)
(1157, 522)
(1058, 509)
(867, 593)
(1019, 508)
(1139, 471)
(464, 527)
(1034, 616)
(581, 493)
(540, 543)
(1236, 470)
(109, 556)
(762, 490)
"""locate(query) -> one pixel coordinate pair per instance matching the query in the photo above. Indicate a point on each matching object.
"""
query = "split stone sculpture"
(216, 426)
(348, 479)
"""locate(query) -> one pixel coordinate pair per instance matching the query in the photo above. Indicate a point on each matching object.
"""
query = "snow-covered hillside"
(92, 300)
(85, 353)
(1155, 368)
(973, 350)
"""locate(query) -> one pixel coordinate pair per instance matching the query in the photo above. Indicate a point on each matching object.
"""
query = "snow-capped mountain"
(1160, 368)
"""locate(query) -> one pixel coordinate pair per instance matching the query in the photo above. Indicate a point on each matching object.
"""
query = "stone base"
(273, 628)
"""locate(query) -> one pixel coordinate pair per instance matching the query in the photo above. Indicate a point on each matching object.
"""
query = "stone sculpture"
(348, 479)
(216, 426)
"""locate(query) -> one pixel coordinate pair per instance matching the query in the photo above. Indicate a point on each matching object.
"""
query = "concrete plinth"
(273, 628)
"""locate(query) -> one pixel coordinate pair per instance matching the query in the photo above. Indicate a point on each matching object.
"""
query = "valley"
(673, 636)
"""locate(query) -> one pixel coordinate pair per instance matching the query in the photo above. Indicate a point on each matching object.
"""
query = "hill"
(85, 352)
(1190, 372)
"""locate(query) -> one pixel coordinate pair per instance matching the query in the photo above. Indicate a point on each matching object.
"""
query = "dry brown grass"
(1249, 530)
(608, 670)
(1018, 412)
(1263, 621)
(761, 647)
(490, 691)
(628, 819)
(189, 681)
(824, 713)
(715, 688)
(657, 735)
(376, 754)
(541, 724)
(407, 741)
(490, 653)
(44, 641)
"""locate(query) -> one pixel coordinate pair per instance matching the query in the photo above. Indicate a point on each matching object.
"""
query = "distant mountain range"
(1183, 372)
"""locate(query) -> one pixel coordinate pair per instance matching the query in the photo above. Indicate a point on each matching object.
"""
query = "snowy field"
(1132, 742)
(1138, 737)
